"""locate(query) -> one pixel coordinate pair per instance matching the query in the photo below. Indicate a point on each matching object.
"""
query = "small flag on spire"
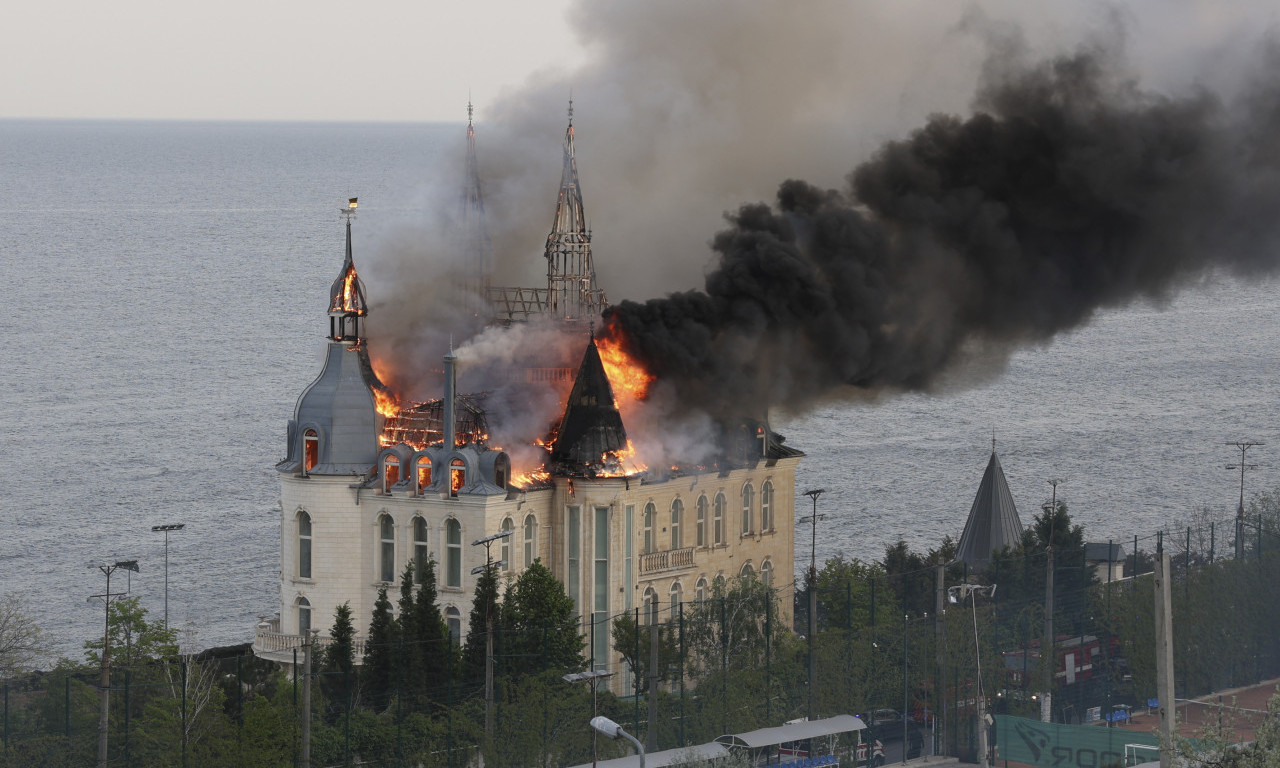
(351, 204)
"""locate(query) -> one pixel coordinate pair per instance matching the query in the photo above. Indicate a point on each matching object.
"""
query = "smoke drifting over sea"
(1018, 181)
(1068, 190)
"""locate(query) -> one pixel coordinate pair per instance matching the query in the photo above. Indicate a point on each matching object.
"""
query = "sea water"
(164, 291)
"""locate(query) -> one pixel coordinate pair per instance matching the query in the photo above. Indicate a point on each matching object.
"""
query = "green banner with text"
(1071, 746)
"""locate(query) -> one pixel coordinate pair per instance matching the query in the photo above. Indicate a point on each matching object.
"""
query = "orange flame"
(350, 300)
(538, 476)
(625, 374)
(387, 404)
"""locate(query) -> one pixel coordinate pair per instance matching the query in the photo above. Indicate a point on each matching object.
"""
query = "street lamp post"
(166, 529)
(813, 585)
(593, 676)
(487, 541)
(105, 685)
(957, 593)
(614, 731)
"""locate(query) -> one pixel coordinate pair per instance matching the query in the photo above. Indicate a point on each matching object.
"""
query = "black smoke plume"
(1068, 189)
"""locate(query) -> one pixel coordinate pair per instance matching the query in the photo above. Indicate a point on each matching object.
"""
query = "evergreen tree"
(429, 635)
(484, 604)
(380, 655)
(540, 630)
(337, 663)
(408, 654)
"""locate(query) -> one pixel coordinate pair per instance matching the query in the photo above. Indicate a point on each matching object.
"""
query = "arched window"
(766, 506)
(420, 551)
(650, 607)
(310, 450)
(390, 472)
(650, 512)
(304, 545)
(720, 504)
(530, 540)
(457, 476)
(424, 474)
(453, 564)
(677, 595)
(454, 620)
(747, 571)
(501, 471)
(700, 590)
(766, 573)
(304, 616)
(748, 499)
(700, 538)
(504, 554)
(387, 549)
(677, 529)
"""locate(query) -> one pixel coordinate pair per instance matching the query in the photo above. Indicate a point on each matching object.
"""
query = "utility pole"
(486, 569)
(813, 589)
(960, 592)
(651, 742)
(940, 634)
(1048, 660)
(1164, 657)
(308, 642)
(104, 708)
(1244, 446)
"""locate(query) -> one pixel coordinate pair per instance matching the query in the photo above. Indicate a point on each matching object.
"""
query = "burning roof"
(591, 439)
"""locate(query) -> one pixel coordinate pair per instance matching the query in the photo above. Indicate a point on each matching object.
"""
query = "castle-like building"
(364, 491)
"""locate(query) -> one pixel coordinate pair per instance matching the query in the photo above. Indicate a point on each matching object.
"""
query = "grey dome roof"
(340, 406)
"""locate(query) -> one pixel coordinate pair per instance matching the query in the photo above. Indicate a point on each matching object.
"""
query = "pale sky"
(410, 60)
(416, 60)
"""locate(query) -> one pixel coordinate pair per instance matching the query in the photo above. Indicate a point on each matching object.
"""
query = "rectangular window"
(600, 653)
(575, 540)
(630, 546)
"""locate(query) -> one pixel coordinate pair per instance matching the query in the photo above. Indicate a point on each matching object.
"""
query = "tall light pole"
(813, 586)
(166, 529)
(105, 685)
(593, 676)
(487, 541)
(1244, 446)
(957, 593)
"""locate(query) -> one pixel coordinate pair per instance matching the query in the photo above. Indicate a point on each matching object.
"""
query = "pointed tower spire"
(993, 522)
(474, 247)
(591, 430)
(346, 297)
(572, 292)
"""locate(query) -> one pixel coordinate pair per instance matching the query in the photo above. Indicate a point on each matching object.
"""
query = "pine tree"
(380, 652)
(485, 604)
(430, 636)
(337, 664)
(408, 654)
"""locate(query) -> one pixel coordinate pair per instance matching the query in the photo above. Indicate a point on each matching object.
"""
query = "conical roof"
(592, 427)
(993, 520)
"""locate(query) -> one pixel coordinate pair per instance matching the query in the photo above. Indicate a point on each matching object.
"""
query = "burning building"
(370, 482)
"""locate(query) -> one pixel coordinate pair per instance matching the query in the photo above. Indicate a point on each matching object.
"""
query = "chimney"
(450, 395)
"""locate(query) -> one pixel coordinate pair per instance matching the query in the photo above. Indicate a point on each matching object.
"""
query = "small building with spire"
(993, 522)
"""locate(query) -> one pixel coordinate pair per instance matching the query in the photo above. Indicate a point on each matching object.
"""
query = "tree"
(380, 652)
(733, 626)
(636, 651)
(20, 647)
(1215, 744)
(539, 627)
(337, 661)
(429, 635)
(484, 605)
(134, 640)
